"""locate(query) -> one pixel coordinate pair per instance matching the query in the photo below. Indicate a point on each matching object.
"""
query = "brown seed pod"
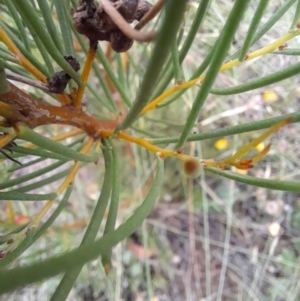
(119, 42)
(108, 22)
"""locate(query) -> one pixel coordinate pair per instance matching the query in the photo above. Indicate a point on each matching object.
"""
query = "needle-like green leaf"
(54, 215)
(50, 26)
(18, 196)
(266, 183)
(166, 36)
(21, 276)
(296, 16)
(237, 129)
(114, 202)
(31, 175)
(168, 71)
(4, 85)
(44, 182)
(67, 282)
(261, 82)
(222, 46)
(29, 135)
(253, 27)
(269, 24)
(20, 248)
(19, 24)
(32, 18)
(64, 26)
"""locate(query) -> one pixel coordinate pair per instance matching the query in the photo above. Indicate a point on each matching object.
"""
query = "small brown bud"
(192, 167)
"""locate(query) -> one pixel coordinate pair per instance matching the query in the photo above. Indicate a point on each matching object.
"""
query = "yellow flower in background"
(221, 144)
(270, 96)
(260, 147)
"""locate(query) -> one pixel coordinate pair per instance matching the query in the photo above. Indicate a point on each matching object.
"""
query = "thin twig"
(119, 21)
(155, 9)
(25, 80)
(85, 74)
(227, 65)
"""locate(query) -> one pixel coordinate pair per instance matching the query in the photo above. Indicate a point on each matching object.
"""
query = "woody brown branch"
(35, 113)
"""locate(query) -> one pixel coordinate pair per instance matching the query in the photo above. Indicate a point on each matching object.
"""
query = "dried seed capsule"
(192, 167)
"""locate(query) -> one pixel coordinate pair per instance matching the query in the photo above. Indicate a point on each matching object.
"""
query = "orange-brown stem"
(85, 75)
(22, 59)
(35, 113)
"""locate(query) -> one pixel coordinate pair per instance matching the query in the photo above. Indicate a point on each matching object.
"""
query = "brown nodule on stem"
(109, 22)
(58, 82)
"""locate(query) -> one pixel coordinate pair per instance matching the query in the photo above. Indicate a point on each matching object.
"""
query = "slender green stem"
(17, 69)
(266, 183)
(67, 282)
(54, 215)
(205, 63)
(20, 26)
(269, 24)
(222, 45)
(23, 50)
(18, 152)
(114, 203)
(17, 277)
(147, 262)
(253, 27)
(10, 235)
(296, 16)
(30, 163)
(44, 182)
(169, 71)
(33, 3)
(40, 47)
(196, 74)
(111, 103)
(4, 85)
(5, 55)
(121, 74)
(206, 211)
(194, 29)
(111, 75)
(172, 99)
(237, 129)
(31, 17)
(38, 152)
(19, 249)
(18, 196)
(100, 98)
(55, 147)
(48, 19)
(30, 176)
(166, 36)
(64, 26)
(290, 51)
(176, 63)
(261, 82)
